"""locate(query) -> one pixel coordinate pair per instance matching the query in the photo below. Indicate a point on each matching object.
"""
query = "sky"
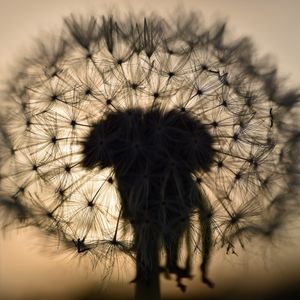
(27, 266)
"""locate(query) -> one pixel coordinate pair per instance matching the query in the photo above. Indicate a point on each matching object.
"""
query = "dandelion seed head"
(118, 133)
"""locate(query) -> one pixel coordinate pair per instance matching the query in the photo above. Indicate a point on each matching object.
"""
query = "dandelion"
(153, 139)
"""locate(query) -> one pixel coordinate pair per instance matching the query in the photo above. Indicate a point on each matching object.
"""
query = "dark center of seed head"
(133, 149)
(122, 134)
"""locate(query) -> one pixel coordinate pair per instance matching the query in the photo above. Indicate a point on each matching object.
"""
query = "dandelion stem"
(147, 280)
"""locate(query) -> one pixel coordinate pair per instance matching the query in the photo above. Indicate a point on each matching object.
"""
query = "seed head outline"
(143, 134)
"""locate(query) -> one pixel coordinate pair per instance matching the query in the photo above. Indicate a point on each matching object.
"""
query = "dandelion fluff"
(140, 134)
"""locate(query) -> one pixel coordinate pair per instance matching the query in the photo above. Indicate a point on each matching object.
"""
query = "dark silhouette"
(154, 154)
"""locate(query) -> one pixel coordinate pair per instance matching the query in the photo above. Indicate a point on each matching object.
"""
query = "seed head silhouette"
(149, 138)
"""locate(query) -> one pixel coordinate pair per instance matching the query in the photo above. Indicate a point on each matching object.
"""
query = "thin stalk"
(147, 280)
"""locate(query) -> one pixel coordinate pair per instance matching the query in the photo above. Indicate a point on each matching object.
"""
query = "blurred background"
(32, 267)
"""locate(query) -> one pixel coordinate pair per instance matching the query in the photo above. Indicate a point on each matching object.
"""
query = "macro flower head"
(150, 138)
